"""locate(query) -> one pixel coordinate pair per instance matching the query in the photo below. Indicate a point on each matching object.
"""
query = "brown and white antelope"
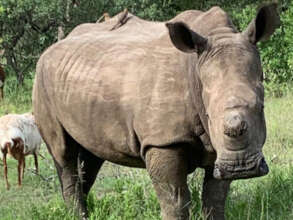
(19, 137)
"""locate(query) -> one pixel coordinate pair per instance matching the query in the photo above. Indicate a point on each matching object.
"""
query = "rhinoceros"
(166, 96)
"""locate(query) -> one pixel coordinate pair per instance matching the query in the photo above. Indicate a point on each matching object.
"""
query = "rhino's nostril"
(234, 126)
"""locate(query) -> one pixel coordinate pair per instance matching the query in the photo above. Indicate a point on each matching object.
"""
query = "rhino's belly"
(103, 130)
(109, 145)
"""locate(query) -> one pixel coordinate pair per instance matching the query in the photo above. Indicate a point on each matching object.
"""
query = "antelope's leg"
(21, 165)
(5, 169)
(36, 163)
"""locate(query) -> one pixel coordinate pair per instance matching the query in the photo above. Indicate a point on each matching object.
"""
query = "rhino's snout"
(234, 125)
(227, 171)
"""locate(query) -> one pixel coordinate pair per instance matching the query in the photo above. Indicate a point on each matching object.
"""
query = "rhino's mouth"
(229, 170)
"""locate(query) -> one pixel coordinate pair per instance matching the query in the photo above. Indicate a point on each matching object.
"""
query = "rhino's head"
(230, 74)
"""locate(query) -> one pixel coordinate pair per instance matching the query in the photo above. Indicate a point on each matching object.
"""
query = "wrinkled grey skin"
(168, 97)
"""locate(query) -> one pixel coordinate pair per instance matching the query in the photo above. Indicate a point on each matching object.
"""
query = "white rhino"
(166, 96)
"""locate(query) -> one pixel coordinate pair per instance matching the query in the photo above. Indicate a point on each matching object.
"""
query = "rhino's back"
(117, 92)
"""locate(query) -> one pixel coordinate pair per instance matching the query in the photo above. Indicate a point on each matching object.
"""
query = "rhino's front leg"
(214, 196)
(168, 171)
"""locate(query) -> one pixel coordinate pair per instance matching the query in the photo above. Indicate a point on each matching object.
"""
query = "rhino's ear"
(264, 25)
(185, 39)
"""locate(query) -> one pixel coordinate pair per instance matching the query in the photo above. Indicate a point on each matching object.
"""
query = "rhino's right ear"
(186, 40)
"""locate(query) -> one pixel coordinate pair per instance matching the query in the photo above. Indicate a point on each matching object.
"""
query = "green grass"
(17, 99)
(123, 193)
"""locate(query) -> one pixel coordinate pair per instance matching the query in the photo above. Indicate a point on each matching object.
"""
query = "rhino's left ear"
(264, 25)
(185, 39)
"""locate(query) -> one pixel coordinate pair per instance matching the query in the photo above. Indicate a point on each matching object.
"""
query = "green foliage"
(148, 9)
(277, 53)
(25, 31)
(27, 27)
(17, 99)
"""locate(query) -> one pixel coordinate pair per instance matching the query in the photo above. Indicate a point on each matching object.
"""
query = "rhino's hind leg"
(78, 174)
(168, 170)
(89, 168)
(214, 196)
(70, 179)
(77, 168)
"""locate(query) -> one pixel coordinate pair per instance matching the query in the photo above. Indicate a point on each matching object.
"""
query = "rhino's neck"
(201, 120)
